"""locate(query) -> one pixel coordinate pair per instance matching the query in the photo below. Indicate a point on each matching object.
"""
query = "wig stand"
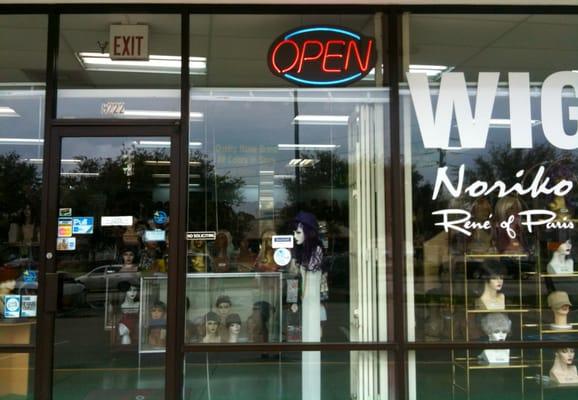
(311, 332)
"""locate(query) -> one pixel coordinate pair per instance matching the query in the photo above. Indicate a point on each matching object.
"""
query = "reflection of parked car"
(96, 280)
(71, 292)
(14, 268)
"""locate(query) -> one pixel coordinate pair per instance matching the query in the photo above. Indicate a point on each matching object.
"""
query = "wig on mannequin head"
(489, 269)
(308, 223)
(557, 238)
(496, 322)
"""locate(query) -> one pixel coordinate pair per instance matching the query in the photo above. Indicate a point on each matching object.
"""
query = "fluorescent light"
(155, 64)
(157, 162)
(63, 161)
(505, 123)
(284, 176)
(301, 162)
(307, 146)
(79, 174)
(264, 172)
(194, 116)
(20, 141)
(8, 112)
(429, 70)
(321, 119)
(159, 143)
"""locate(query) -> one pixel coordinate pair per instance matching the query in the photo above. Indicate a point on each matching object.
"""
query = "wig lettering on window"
(454, 117)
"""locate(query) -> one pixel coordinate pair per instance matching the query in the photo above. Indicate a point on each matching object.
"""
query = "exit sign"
(129, 42)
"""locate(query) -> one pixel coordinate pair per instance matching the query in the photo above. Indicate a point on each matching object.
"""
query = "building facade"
(288, 202)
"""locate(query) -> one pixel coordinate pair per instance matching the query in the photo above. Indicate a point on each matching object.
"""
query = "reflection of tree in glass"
(213, 198)
(502, 163)
(322, 189)
(423, 206)
(109, 190)
(19, 185)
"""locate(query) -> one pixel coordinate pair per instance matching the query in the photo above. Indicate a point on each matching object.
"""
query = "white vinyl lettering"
(520, 110)
(540, 185)
(552, 121)
(453, 95)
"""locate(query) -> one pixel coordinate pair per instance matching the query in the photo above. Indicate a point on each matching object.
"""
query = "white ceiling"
(236, 45)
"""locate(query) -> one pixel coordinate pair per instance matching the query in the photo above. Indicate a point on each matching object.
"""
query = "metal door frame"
(47, 278)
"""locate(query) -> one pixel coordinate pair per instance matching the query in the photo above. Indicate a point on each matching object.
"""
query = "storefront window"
(279, 375)
(456, 374)
(21, 151)
(115, 66)
(286, 196)
(490, 160)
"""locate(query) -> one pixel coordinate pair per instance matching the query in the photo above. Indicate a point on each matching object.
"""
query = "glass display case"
(234, 307)
(221, 308)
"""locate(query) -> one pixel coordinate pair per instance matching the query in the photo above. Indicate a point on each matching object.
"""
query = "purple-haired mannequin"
(308, 256)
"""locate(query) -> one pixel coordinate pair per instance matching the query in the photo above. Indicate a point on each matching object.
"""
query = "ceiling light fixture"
(8, 112)
(307, 146)
(301, 162)
(429, 70)
(79, 174)
(160, 143)
(321, 120)
(21, 141)
(158, 64)
(505, 122)
(193, 116)
(63, 161)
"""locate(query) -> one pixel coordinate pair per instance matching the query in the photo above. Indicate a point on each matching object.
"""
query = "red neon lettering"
(116, 46)
(353, 46)
(125, 40)
(274, 54)
(327, 55)
(309, 58)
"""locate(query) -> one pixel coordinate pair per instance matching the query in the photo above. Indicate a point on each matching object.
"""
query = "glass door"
(110, 266)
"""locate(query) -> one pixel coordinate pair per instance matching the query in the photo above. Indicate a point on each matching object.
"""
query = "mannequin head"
(27, 215)
(132, 293)
(267, 239)
(128, 257)
(561, 248)
(565, 356)
(481, 209)
(221, 241)
(233, 323)
(212, 322)
(496, 326)
(158, 311)
(306, 234)
(506, 206)
(263, 309)
(223, 305)
(299, 234)
(559, 302)
(7, 286)
(492, 275)
(198, 246)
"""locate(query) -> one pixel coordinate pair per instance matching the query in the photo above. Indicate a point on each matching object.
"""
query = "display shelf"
(518, 308)
(569, 275)
(505, 311)
(550, 331)
(497, 255)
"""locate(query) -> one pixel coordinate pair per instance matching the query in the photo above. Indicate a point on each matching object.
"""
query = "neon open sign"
(322, 56)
